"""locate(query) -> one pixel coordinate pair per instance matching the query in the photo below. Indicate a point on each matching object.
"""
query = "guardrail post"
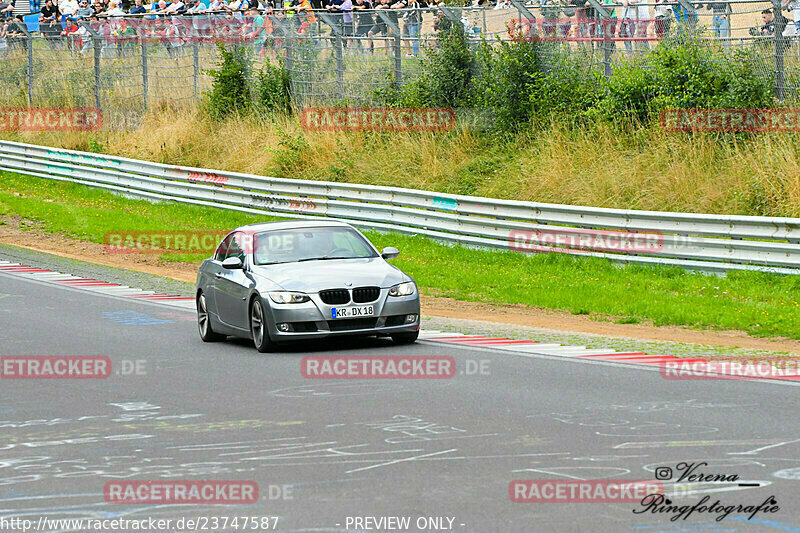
(145, 82)
(195, 68)
(780, 48)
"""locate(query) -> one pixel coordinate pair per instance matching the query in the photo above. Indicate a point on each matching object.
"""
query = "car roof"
(291, 224)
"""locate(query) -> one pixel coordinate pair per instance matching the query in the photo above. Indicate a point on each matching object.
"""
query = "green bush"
(448, 74)
(568, 92)
(274, 89)
(510, 72)
(684, 73)
(229, 92)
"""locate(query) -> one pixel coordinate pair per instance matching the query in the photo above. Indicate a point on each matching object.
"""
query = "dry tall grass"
(599, 166)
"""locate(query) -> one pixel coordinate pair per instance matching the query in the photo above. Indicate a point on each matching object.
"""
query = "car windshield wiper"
(324, 258)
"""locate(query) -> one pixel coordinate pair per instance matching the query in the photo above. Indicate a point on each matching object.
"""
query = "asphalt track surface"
(322, 451)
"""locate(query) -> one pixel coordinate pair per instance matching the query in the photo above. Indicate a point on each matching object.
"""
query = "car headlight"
(287, 297)
(402, 289)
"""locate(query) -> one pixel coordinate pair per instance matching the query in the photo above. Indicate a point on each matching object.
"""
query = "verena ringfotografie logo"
(55, 367)
(694, 369)
(378, 119)
(181, 492)
(50, 119)
(162, 242)
(582, 491)
(577, 239)
(378, 367)
(731, 120)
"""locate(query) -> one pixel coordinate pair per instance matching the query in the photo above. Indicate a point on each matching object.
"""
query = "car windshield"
(310, 244)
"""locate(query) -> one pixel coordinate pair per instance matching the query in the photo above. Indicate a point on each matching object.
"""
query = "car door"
(233, 286)
(209, 272)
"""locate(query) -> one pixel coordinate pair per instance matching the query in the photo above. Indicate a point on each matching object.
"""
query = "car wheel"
(259, 329)
(204, 322)
(405, 338)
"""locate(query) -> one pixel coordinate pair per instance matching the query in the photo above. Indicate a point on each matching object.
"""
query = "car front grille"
(335, 296)
(304, 326)
(366, 294)
(351, 323)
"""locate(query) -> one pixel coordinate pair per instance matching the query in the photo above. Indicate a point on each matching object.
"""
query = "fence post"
(29, 45)
(339, 65)
(690, 13)
(145, 79)
(398, 57)
(195, 68)
(338, 51)
(605, 19)
(97, 46)
(523, 11)
(780, 48)
(288, 41)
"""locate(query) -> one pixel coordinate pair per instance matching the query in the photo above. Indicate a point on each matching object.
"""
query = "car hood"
(314, 276)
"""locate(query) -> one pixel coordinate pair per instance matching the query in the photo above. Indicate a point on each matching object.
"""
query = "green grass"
(761, 304)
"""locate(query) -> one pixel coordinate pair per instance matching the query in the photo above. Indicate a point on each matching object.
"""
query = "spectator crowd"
(119, 24)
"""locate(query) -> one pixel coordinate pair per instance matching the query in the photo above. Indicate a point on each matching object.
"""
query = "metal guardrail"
(696, 241)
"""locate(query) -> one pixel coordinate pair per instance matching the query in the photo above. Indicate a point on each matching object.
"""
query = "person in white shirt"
(794, 7)
(635, 18)
(68, 9)
(114, 9)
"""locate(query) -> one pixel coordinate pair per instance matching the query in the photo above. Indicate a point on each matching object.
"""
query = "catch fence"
(122, 65)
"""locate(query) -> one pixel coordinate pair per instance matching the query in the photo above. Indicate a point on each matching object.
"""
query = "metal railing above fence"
(697, 241)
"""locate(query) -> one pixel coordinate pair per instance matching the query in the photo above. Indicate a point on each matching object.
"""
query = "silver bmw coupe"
(301, 280)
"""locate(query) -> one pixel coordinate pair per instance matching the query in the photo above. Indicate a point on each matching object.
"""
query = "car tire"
(204, 321)
(405, 338)
(258, 329)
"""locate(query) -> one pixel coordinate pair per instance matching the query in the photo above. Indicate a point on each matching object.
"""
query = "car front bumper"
(312, 320)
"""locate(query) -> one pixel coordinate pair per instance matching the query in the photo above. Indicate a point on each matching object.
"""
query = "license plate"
(352, 312)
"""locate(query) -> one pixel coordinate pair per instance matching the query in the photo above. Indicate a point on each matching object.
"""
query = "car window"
(237, 246)
(222, 249)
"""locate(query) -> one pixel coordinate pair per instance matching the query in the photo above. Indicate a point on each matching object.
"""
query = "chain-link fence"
(124, 65)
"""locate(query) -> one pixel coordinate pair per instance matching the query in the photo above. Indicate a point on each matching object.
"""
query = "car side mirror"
(233, 263)
(390, 252)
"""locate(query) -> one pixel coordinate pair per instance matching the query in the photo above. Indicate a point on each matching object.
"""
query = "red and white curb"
(93, 285)
(521, 347)
(530, 348)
